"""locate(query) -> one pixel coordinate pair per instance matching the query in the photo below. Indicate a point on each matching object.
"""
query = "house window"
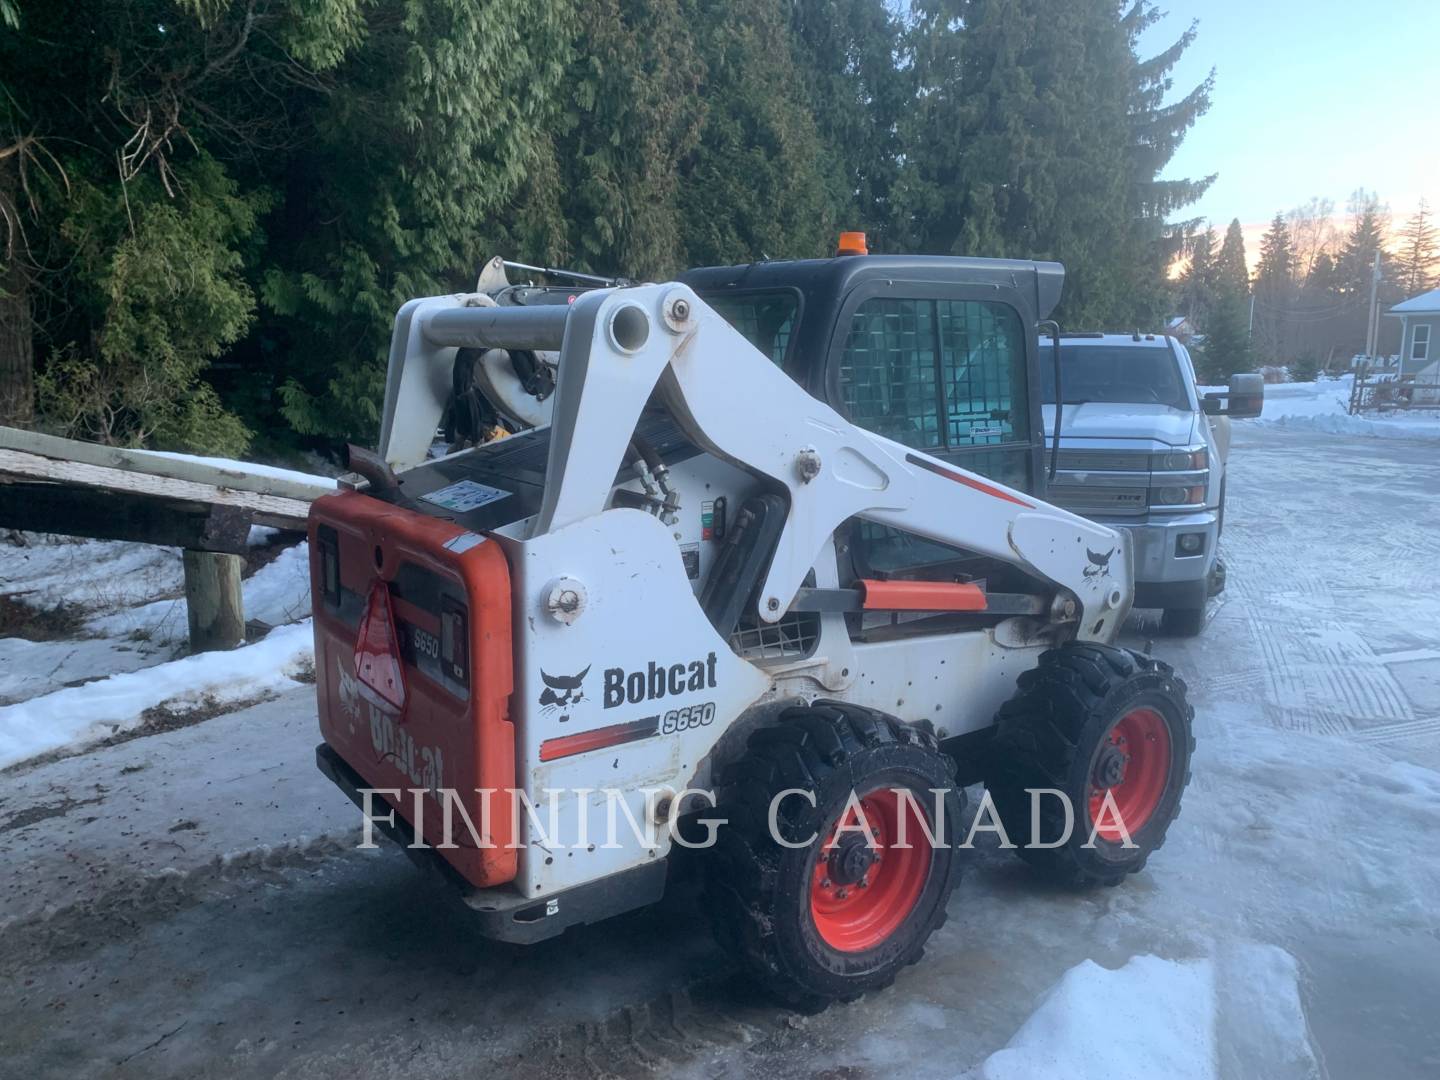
(1420, 343)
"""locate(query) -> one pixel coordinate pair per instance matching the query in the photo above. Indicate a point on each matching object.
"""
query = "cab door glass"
(944, 376)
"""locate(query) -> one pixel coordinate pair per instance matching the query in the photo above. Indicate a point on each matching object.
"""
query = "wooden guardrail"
(55, 485)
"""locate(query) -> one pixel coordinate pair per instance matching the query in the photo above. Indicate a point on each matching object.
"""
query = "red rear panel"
(449, 599)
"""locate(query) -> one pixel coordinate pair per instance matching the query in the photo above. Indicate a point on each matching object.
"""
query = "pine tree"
(1419, 253)
(1226, 349)
(1274, 291)
(1231, 269)
(1355, 266)
(1197, 280)
(1038, 133)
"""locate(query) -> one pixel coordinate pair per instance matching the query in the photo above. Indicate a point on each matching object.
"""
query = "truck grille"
(1091, 500)
(1105, 460)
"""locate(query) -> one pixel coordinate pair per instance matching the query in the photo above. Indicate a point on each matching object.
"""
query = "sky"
(1311, 98)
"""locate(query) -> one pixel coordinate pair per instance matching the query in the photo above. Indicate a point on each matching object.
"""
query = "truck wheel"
(1182, 622)
(1088, 721)
(811, 908)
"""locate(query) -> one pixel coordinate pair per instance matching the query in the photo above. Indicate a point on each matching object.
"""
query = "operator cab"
(937, 353)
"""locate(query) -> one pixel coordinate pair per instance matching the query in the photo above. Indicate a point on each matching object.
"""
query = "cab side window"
(944, 376)
(947, 377)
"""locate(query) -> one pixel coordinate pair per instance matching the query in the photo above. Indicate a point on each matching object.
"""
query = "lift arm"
(618, 346)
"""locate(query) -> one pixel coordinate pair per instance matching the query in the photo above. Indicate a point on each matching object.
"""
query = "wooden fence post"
(213, 600)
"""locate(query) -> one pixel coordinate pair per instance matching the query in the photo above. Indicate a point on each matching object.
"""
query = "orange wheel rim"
(1134, 767)
(861, 894)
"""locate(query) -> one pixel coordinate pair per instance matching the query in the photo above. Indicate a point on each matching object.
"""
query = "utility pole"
(1373, 324)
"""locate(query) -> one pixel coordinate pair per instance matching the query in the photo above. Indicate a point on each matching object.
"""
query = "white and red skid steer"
(762, 575)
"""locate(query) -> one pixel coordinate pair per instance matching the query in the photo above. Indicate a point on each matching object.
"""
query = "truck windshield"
(767, 319)
(1135, 374)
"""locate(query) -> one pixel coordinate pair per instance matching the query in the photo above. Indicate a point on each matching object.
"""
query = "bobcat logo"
(561, 692)
(1099, 564)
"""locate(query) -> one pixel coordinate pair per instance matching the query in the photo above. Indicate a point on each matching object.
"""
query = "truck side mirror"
(1245, 398)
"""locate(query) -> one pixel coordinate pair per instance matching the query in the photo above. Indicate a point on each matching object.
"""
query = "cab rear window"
(766, 319)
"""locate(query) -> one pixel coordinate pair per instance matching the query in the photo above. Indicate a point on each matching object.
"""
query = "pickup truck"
(1141, 448)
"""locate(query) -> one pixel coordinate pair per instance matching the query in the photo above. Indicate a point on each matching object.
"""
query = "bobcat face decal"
(561, 692)
(1099, 564)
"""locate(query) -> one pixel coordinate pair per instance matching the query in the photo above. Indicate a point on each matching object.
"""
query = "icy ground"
(189, 903)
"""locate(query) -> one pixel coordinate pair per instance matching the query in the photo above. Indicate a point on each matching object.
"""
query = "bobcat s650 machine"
(775, 540)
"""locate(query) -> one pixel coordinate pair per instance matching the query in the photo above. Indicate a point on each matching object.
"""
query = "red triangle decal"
(377, 649)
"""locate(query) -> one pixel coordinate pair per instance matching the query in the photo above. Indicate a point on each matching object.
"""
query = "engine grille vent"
(792, 638)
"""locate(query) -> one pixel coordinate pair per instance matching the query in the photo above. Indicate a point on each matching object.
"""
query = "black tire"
(1056, 733)
(1182, 622)
(759, 892)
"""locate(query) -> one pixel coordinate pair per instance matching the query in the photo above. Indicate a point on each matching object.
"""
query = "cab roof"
(1040, 281)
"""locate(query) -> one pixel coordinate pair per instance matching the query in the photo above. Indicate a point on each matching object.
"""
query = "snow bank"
(98, 575)
(279, 592)
(1322, 406)
(1151, 1018)
(1237, 1013)
(83, 713)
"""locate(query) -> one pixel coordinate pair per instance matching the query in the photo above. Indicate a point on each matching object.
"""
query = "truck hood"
(1122, 420)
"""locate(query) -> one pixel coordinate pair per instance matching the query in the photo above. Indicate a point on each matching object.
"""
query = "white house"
(1419, 332)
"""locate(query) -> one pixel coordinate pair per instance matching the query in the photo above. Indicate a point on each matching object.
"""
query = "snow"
(250, 467)
(1323, 406)
(1426, 301)
(1236, 1013)
(1150, 1018)
(107, 706)
(93, 574)
(279, 592)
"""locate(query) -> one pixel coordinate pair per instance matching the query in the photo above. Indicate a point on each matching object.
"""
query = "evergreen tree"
(1197, 280)
(1355, 266)
(847, 56)
(1226, 349)
(1231, 269)
(754, 186)
(1274, 291)
(1419, 253)
(602, 194)
(454, 99)
(1038, 133)
(119, 180)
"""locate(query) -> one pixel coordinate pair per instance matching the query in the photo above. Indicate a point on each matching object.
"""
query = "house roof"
(1426, 301)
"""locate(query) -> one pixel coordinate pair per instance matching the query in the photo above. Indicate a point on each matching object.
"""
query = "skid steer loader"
(768, 584)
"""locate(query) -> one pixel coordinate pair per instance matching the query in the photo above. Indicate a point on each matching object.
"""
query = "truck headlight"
(1175, 495)
(1181, 460)
(1190, 543)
